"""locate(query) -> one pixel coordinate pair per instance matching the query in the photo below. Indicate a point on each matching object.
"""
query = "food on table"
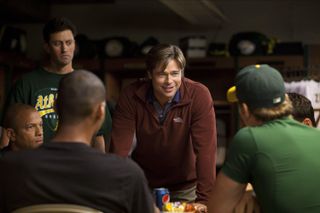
(178, 207)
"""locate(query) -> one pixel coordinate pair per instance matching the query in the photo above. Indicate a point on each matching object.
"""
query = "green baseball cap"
(259, 86)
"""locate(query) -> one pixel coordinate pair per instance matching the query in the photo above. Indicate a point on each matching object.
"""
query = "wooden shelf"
(279, 62)
(15, 11)
(221, 103)
(16, 61)
(210, 63)
(124, 64)
(93, 65)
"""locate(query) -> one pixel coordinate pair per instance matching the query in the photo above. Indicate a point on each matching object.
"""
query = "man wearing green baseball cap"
(274, 153)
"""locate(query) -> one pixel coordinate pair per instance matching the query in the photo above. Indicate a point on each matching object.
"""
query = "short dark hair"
(57, 24)
(302, 108)
(160, 55)
(13, 113)
(79, 92)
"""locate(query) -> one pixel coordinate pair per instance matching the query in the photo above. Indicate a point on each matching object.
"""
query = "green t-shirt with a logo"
(39, 88)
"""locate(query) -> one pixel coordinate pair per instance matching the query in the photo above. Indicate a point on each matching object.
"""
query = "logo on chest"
(177, 120)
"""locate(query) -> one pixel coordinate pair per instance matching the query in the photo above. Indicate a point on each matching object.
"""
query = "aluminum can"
(161, 196)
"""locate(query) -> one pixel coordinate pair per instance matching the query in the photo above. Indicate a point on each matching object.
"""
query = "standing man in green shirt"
(275, 153)
(39, 87)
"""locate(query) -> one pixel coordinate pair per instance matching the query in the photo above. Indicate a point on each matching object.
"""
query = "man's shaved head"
(79, 92)
(24, 127)
(14, 112)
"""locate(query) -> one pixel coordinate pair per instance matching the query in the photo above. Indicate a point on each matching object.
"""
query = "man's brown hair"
(160, 55)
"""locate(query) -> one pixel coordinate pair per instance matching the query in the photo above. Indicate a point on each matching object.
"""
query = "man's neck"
(14, 147)
(73, 134)
(59, 69)
(162, 102)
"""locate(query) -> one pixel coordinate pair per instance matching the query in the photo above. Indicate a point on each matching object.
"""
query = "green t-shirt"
(39, 88)
(281, 160)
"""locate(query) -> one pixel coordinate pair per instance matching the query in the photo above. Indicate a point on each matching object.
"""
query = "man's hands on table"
(200, 208)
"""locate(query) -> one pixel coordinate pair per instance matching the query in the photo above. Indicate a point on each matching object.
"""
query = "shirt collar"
(150, 97)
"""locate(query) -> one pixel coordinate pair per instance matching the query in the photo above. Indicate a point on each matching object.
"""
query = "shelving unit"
(12, 66)
(121, 72)
(290, 66)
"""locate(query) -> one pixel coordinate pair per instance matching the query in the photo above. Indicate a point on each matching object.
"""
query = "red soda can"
(161, 196)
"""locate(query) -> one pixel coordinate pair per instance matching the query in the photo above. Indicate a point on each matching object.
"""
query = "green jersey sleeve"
(240, 157)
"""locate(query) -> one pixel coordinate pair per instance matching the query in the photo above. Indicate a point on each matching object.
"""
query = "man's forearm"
(225, 195)
(206, 175)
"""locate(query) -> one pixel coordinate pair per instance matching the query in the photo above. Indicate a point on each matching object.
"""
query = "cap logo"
(276, 100)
